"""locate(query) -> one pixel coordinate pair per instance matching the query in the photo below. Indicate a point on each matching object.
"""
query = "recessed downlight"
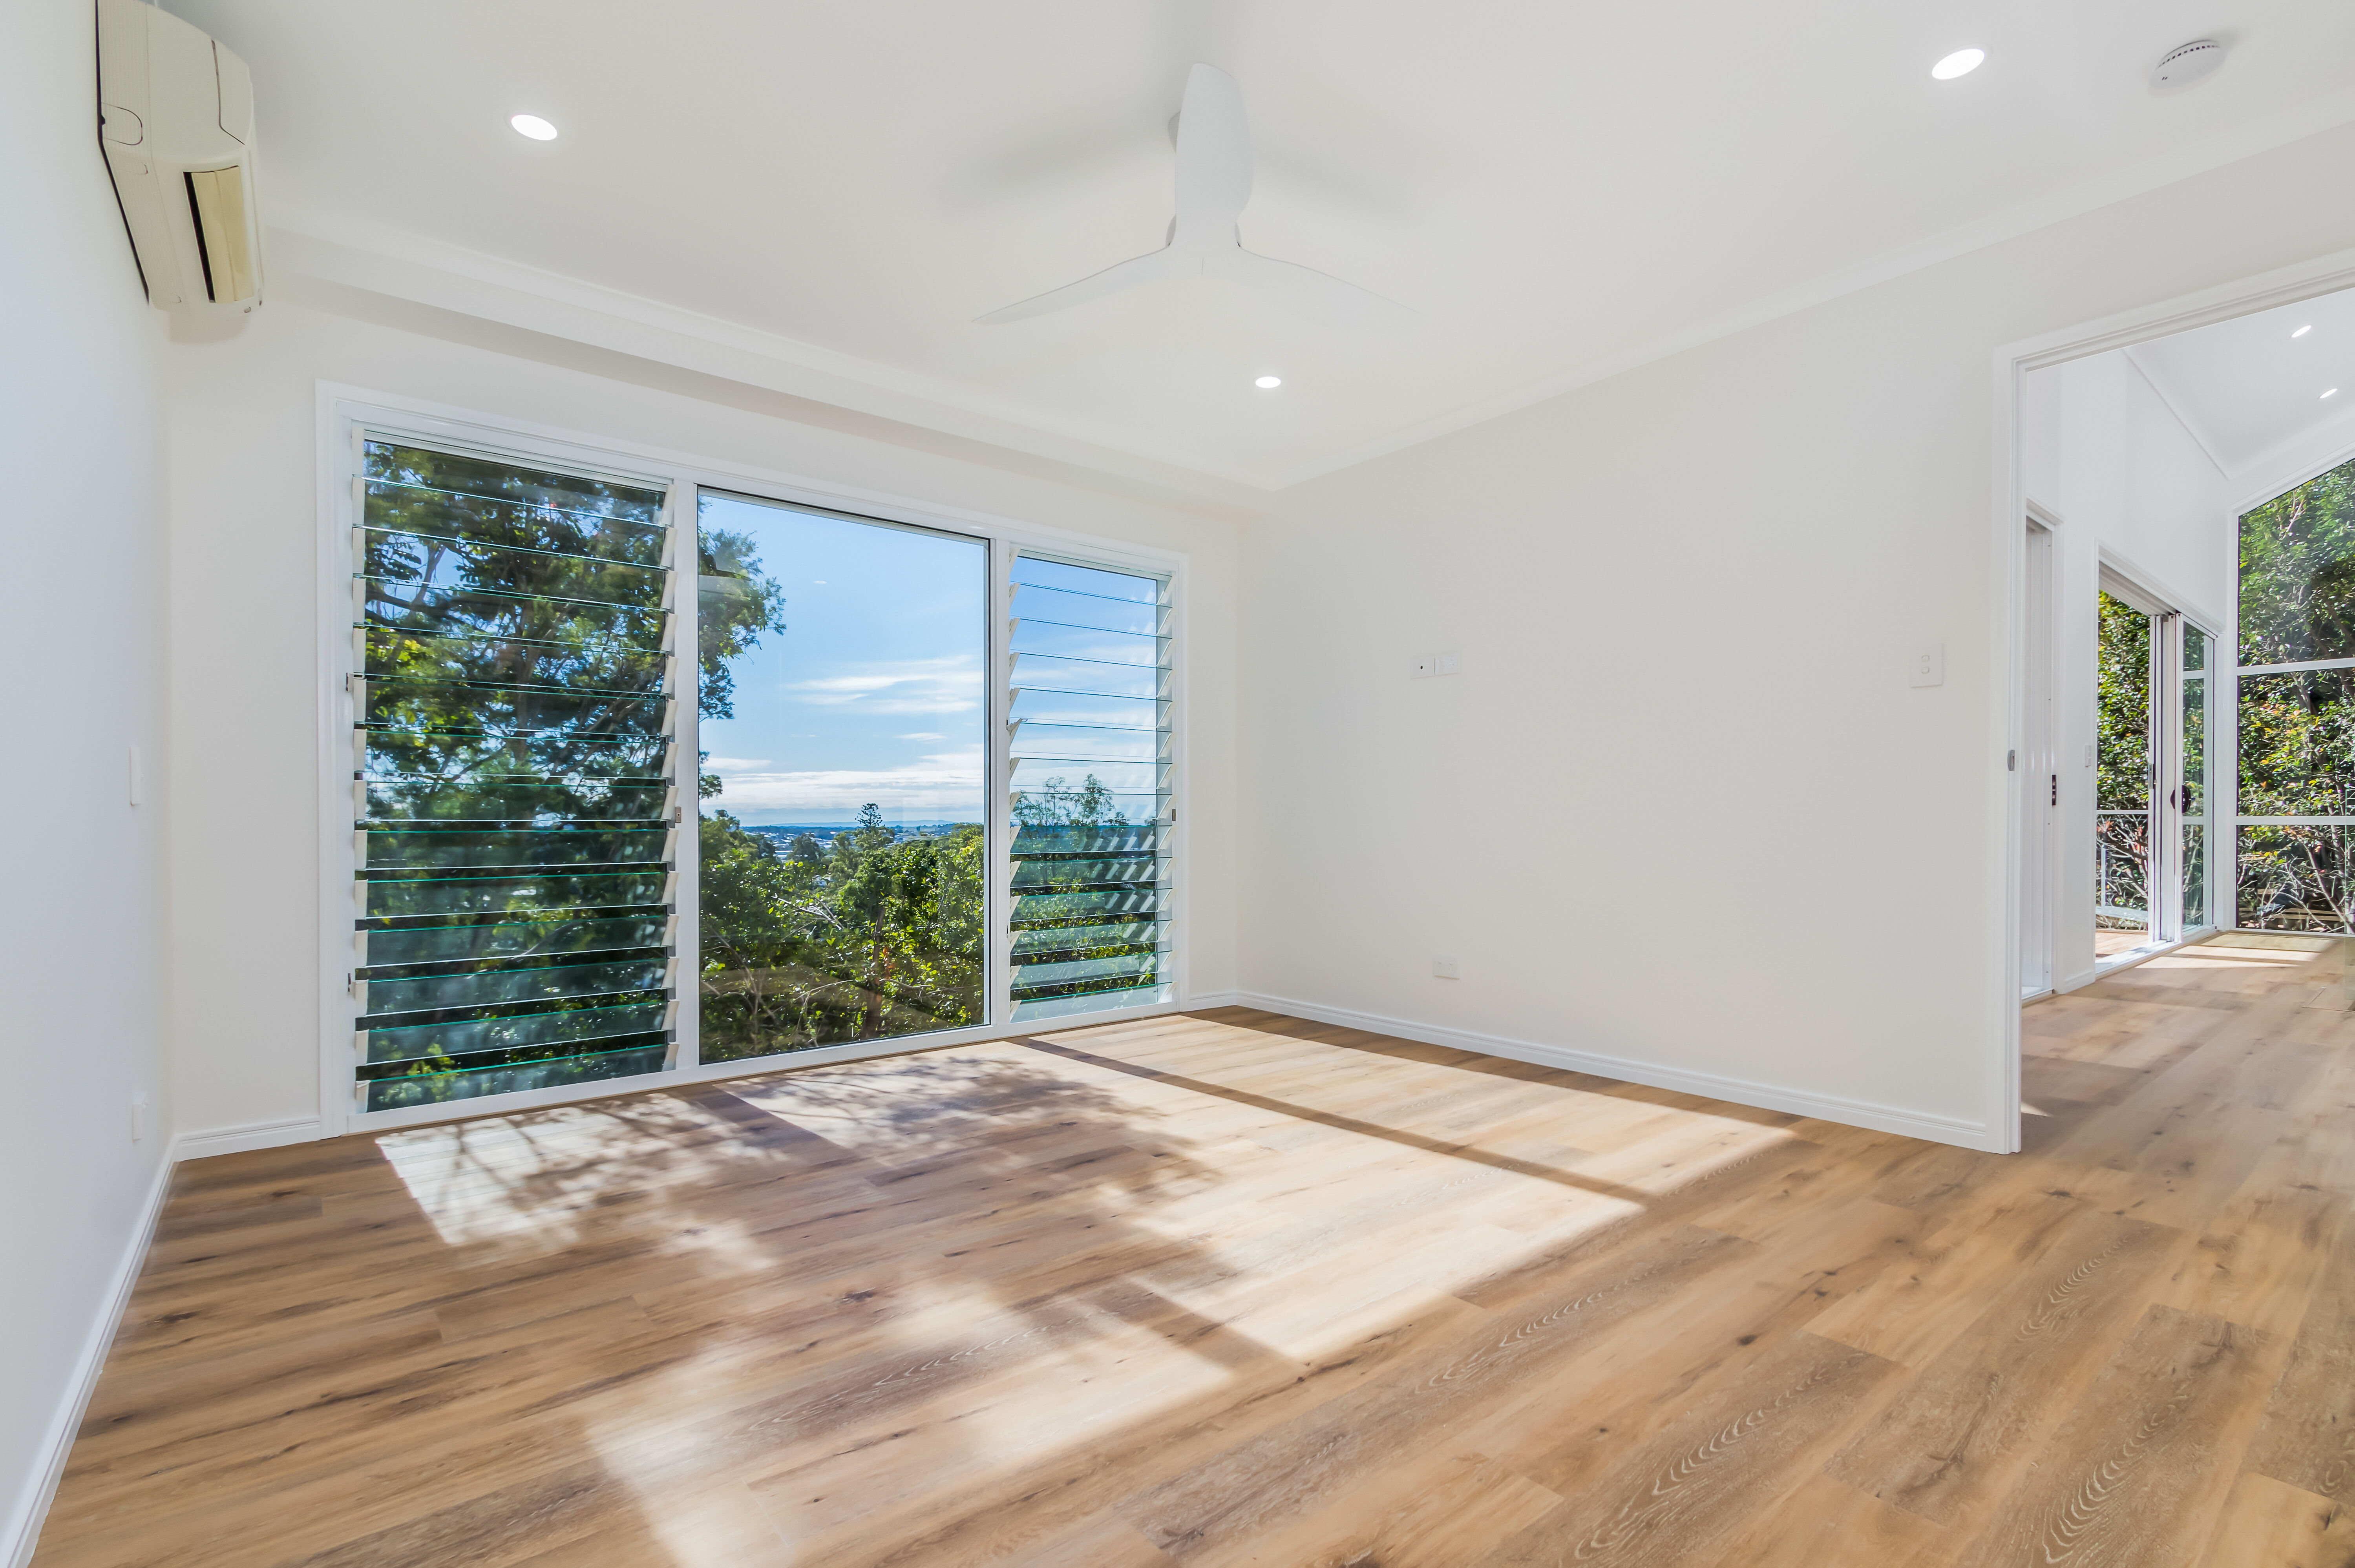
(2302, 331)
(1268, 383)
(533, 126)
(1962, 63)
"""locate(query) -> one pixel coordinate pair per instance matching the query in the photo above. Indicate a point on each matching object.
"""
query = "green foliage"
(804, 947)
(737, 603)
(2123, 762)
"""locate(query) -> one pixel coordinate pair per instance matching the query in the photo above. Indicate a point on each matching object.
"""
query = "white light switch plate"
(1445, 968)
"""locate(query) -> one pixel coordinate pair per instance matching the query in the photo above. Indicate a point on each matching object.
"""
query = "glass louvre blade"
(1092, 611)
(434, 993)
(454, 756)
(395, 800)
(513, 720)
(400, 565)
(411, 849)
(1102, 583)
(390, 896)
(1043, 775)
(1081, 873)
(1104, 838)
(522, 1030)
(1090, 902)
(455, 1082)
(618, 663)
(1056, 640)
(447, 608)
(444, 514)
(1087, 742)
(1037, 674)
(441, 943)
(1065, 940)
(394, 466)
(1029, 1009)
(1097, 708)
(1135, 902)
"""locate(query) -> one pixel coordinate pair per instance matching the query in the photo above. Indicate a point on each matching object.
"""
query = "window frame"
(345, 413)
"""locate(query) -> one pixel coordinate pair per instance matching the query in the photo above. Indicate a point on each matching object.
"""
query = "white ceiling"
(1557, 187)
(2250, 393)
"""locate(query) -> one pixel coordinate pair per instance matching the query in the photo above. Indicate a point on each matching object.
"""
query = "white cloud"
(923, 735)
(944, 786)
(914, 685)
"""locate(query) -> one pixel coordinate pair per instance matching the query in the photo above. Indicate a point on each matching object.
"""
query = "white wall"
(1681, 807)
(2101, 453)
(244, 484)
(83, 621)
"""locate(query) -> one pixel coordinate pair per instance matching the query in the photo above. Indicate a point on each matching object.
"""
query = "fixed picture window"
(512, 730)
(2295, 855)
(842, 726)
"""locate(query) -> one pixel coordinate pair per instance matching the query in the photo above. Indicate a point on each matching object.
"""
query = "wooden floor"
(1232, 1289)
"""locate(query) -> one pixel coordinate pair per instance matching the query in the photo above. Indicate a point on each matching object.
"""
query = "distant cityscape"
(824, 832)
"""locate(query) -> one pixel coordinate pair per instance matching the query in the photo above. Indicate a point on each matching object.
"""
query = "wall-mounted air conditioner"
(176, 119)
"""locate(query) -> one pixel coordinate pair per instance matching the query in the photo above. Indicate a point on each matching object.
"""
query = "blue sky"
(874, 692)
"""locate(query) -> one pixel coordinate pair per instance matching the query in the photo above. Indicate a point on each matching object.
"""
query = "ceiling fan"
(1214, 185)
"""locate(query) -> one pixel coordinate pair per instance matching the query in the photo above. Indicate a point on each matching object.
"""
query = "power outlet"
(139, 1117)
(1428, 665)
(1445, 968)
(1925, 664)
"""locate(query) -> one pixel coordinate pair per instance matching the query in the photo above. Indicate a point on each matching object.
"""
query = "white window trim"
(342, 410)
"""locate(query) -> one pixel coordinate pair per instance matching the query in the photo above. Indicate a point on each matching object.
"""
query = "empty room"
(1178, 784)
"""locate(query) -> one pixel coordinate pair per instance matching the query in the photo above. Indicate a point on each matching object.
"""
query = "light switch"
(1926, 665)
(1447, 664)
(1445, 968)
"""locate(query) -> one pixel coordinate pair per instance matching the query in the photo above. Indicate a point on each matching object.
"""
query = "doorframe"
(2008, 498)
(2038, 751)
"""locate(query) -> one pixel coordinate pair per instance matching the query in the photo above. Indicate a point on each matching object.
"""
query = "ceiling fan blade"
(1311, 294)
(1146, 269)
(1214, 157)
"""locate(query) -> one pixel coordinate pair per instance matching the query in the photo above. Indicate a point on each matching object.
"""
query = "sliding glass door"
(2124, 778)
(2151, 805)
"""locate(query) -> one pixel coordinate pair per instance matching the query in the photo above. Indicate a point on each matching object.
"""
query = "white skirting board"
(237, 1140)
(1740, 1091)
(32, 1506)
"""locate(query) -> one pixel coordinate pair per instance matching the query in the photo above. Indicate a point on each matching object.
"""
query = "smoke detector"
(2187, 63)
